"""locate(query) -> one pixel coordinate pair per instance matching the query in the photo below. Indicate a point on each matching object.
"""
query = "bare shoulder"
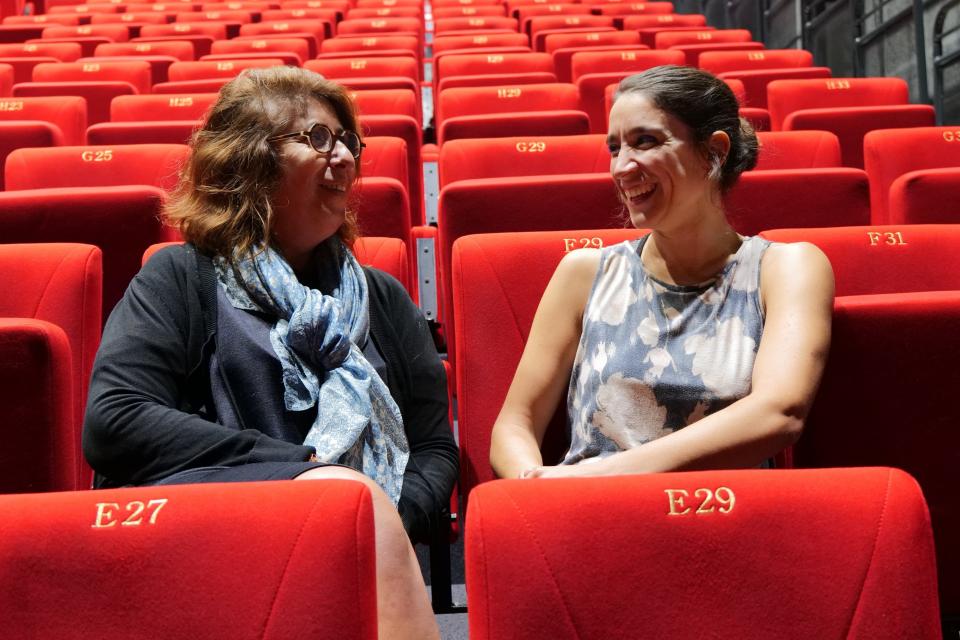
(574, 277)
(579, 264)
(789, 266)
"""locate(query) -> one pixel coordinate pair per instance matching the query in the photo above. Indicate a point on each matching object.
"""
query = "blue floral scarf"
(316, 338)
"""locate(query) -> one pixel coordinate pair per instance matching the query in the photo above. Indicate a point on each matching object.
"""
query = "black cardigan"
(150, 410)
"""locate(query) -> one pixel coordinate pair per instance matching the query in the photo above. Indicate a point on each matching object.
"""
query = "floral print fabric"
(655, 357)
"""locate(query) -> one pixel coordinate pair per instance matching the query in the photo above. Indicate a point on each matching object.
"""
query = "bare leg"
(403, 608)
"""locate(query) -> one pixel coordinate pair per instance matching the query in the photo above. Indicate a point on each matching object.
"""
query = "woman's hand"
(563, 471)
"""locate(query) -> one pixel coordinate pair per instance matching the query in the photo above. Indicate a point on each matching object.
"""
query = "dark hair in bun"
(706, 104)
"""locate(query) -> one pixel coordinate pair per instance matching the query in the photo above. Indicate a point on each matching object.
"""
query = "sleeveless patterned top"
(654, 357)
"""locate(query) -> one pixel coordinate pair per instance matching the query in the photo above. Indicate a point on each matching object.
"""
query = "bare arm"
(544, 369)
(797, 290)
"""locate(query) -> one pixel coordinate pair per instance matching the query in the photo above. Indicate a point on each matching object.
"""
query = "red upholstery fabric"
(114, 32)
(129, 18)
(26, 133)
(155, 165)
(786, 198)
(143, 132)
(62, 51)
(490, 80)
(23, 65)
(122, 221)
(852, 123)
(385, 12)
(470, 23)
(410, 131)
(786, 96)
(360, 67)
(631, 62)
(798, 150)
(45, 19)
(264, 47)
(667, 39)
(870, 411)
(526, 12)
(201, 43)
(183, 559)
(243, 17)
(13, 33)
(755, 81)
(586, 21)
(473, 64)
(886, 259)
(563, 57)
(484, 101)
(539, 40)
(759, 119)
(513, 157)
(90, 7)
(498, 280)
(319, 29)
(59, 284)
(158, 65)
(717, 62)
(88, 44)
(385, 157)
(161, 107)
(925, 196)
(288, 57)
(383, 208)
(386, 254)
(757, 553)
(215, 30)
(381, 26)
(36, 404)
(209, 85)
(557, 41)
(692, 52)
(200, 70)
(631, 23)
(67, 114)
(637, 8)
(890, 153)
(97, 94)
(275, 15)
(531, 123)
(373, 42)
(458, 11)
(648, 36)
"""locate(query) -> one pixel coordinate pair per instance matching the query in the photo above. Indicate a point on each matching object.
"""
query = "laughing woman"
(262, 350)
(691, 348)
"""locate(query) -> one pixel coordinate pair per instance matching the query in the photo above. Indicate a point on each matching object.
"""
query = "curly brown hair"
(222, 204)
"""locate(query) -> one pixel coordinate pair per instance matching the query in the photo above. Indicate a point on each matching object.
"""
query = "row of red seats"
(828, 553)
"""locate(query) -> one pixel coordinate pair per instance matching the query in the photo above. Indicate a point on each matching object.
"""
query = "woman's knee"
(343, 473)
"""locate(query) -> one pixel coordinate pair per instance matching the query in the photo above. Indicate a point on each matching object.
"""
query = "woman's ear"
(718, 147)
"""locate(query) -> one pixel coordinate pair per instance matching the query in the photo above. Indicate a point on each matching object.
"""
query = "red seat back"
(668, 39)
(631, 23)
(888, 405)
(498, 279)
(886, 259)
(62, 51)
(97, 94)
(68, 114)
(113, 32)
(755, 81)
(60, 284)
(179, 49)
(94, 166)
(472, 64)
(161, 107)
(589, 558)
(925, 196)
(26, 133)
(717, 62)
(783, 198)
(443, 43)
(205, 70)
(890, 153)
(309, 546)
(263, 47)
(798, 150)
(529, 156)
(134, 72)
(363, 67)
(786, 96)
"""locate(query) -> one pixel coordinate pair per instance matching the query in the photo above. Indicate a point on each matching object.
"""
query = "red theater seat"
(869, 412)
(213, 30)
(67, 114)
(200, 43)
(319, 29)
(589, 558)
(383, 208)
(786, 198)
(886, 259)
(474, 23)
(755, 81)
(385, 157)
(264, 47)
(537, 109)
(629, 62)
(474, 64)
(308, 546)
(143, 132)
(45, 19)
(161, 107)
(279, 15)
(362, 67)
(18, 134)
(157, 165)
(798, 150)
(498, 279)
(122, 221)
(23, 65)
(336, 45)
(528, 156)
(209, 85)
(635, 22)
(467, 11)
(97, 94)
(53, 291)
(890, 153)
(669, 39)
(206, 70)
(112, 32)
(134, 72)
(62, 51)
(133, 20)
(925, 196)
(526, 203)
(787, 96)
(717, 62)
(443, 43)
(636, 8)
(692, 52)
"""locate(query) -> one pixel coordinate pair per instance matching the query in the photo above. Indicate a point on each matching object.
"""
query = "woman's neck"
(692, 255)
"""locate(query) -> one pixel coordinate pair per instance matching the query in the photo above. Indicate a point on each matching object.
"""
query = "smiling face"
(660, 172)
(310, 202)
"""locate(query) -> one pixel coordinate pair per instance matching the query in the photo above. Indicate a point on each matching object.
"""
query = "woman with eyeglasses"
(260, 349)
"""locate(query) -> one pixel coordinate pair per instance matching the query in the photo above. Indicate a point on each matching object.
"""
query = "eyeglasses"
(322, 139)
